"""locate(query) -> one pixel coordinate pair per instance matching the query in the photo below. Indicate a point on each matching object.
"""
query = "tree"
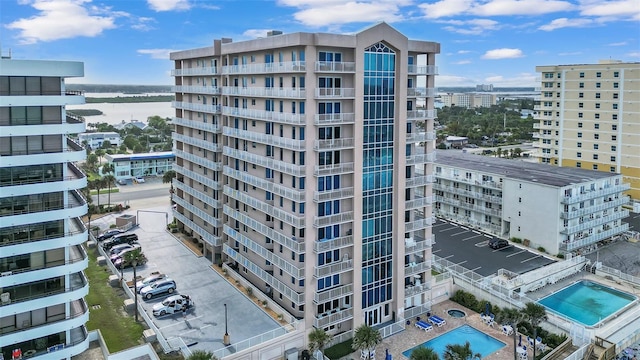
(201, 355)
(318, 339)
(91, 162)
(134, 257)
(109, 179)
(106, 144)
(460, 352)
(100, 153)
(168, 176)
(499, 152)
(513, 317)
(424, 353)
(109, 169)
(536, 314)
(365, 338)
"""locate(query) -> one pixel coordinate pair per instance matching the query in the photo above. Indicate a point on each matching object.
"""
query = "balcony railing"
(296, 220)
(334, 144)
(203, 144)
(419, 180)
(592, 194)
(418, 223)
(334, 293)
(77, 281)
(205, 198)
(340, 118)
(335, 194)
(209, 90)
(415, 290)
(198, 160)
(421, 114)
(576, 212)
(266, 162)
(333, 169)
(199, 125)
(339, 218)
(206, 236)
(215, 185)
(417, 268)
(285, 118)
(262, 68)
(417, 244)
(293, 243)
(597, 221)
(327, 319)
(421, 92)
(75, 227)
(275, 188)
(421, 137)
(333, 268)
(342, 93)
(423, 70)
(335, 66)
(333, 244)
(420, 157)
(592, 239)
(212, 109)
(194, 71)
(206, 217)
(268, 139)
(275, 92)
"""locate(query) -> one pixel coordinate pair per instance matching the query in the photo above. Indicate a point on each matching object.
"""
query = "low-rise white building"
(558, 208)
(132, 165)
(96, 139)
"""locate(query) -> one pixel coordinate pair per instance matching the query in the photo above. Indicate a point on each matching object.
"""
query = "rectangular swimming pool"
(587, 302)
(480, 342)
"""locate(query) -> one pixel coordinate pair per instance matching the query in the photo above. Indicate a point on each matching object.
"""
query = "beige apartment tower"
(298, 167)
(590, 118)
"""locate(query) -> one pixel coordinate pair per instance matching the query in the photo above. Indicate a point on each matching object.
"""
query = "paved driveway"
(469, 248)
(203, 327)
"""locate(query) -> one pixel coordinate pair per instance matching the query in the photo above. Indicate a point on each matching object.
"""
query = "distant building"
(590, 118)
(469, 100)
(508, 198)
(456, 142)
(127, 125)
(147, 164)
(96, 139)
(484, 87)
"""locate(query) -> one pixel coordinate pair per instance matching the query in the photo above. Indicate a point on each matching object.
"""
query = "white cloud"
(447, 8)
(162, 54)
(63, 19)
(143, 24)
(454, 80)
(504, 53)
(464, 51)
(626, 9)
(572, 53)
(318, 13)
(635, 54)
(462, 62)
(169, 5)
(471, 27)
(519, 80)
(565, 22)
(256, 33)
(621, 43)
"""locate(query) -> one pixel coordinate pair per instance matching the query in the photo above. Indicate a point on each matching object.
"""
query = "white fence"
(617, 273)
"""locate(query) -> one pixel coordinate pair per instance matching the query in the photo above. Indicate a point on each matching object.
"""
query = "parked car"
(121, 262)
(116, 250)
(172, 305)
(119, 239)
(498, 243)
(149, 280)
(122, 182)
(139, 179)
(109, 234)
(159, 287)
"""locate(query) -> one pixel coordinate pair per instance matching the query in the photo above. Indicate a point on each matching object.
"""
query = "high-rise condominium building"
(590, 118)
(298, 165)
(42, 287)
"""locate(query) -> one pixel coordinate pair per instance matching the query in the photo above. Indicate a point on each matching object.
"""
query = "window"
(614, 138)
(612, 169)
(615, 95)
(615, 106)
(615, 85)
(597, 105)
(578, 164)
(581, 95)
(613, 148)
(614, 127)
(595, 156)
(596, 116)
(595, 146)
(616, 74)
(613, 159)
(579, 155)
(579, 144)
(580, 115)
(596, 136)
(579, 125)
(596, 126)
(581, 75)
(598, 74)
(597, 85)
(597, 95)
(581, 105)
(579, 135)
(581, 85)
(595, 166)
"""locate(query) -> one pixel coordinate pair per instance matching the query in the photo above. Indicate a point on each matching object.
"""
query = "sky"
(497, 42)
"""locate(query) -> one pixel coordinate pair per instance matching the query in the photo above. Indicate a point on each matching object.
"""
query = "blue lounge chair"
(422, 325)
(437, 321)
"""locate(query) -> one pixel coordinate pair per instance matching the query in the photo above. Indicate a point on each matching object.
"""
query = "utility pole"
(226, 340)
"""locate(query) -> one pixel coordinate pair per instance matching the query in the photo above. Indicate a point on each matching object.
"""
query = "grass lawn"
(119, 330)
(105, 191)
(339, 350)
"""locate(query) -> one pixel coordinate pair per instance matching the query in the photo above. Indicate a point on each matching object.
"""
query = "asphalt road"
(469, 248)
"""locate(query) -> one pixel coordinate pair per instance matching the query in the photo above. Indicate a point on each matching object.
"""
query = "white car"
(139, 179)
(173, 304)
(148, 281)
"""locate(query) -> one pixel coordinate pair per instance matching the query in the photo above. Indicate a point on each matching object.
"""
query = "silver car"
(149, 280)
(159, 287)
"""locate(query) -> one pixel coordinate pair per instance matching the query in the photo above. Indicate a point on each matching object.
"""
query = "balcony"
(597, 221)
(419, 180)
(265, 68)
(334, 317)
(334, 144)
(266, 162)
(78, 261)
(78, 316)
(415, 290)
(335, 93)
(296, 220)
(417, 244)
(197, 177)
(265, 184)
(418, 202)
(198, 160)
(17, 213)
(208, 90)
(418, 223)
(31, 241)
(333, 293)
(333, 268)
(333, 244)
(204, 234)
(194, 71)
(202, 144)
(206, 217)
(415, 268)
(592, 194)
(421, 114)
(268, 139)
(421, 92)
(272, 92)
(340, 218)
(211, 109)
(576, 212)
(196, 124)
(334, 119)
(40, 294)
(335, 194)
(284, 118)
(44, 182)
(421, 137)
(422, 70)
(420, 157)
(205, 198)
(335, 66)
(333, 169)
(594, 238)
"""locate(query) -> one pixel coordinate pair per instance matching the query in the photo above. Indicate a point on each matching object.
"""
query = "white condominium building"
(590, 118)
(42, 287)
(560, 209)
(295, 166)
(469, 100)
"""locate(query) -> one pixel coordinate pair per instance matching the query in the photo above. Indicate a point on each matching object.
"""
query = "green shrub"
(541, 249)
(516, 240)
(560, 256)
(338, 351)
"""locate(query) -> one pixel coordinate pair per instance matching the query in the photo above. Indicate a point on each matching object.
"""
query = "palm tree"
(100, 153)
(513, 317)
(536, 314)
(201, 355)
(168, 178)
(424, 353)
(318, 339)
(460, 352)
(134, 258)
(365, 338)
(109, 179)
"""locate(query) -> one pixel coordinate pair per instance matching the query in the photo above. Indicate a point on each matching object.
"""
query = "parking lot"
(203, 326)
(469, 248)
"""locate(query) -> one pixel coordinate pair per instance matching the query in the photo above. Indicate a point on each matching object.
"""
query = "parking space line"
(179, 322)
(519, 252)
(462, 262)
(476, 232)
(470, 237)
(464, 227)
(447, 229)
(488, 236)
(479, 267)
(446, 257)
(529, 259)
(435, 251)
(461, 232)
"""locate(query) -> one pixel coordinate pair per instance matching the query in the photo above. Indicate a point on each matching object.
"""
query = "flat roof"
(143, 156)
(520, 170)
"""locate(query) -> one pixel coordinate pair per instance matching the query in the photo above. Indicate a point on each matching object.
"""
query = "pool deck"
(413, 336)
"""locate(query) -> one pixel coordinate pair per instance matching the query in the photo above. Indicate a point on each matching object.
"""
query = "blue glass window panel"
(301, 107)
(336, 279)
(301, 184)
(336, 181)
(301, 55)
(301, 208)
(320, 284)
(302, 136)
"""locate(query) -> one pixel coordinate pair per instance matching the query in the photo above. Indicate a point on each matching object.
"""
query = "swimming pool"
(480, 342)
(587, 302)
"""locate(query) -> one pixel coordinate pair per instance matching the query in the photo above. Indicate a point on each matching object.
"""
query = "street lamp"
(226, 341)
